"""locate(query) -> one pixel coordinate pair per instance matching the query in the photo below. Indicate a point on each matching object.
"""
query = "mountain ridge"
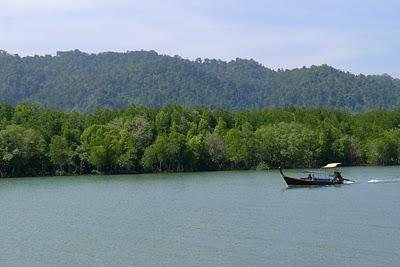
(78, 81)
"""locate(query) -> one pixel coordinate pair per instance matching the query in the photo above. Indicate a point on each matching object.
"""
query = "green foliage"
(38, 141)
(77, 81)
(385, 150)
(198, 157)
(237, 148)
(155, 156)
(21, 151)
(287, 144)
(216, 148)
(108, 148)
(59, 152)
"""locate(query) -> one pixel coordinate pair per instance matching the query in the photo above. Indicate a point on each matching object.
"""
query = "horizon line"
(55, 54)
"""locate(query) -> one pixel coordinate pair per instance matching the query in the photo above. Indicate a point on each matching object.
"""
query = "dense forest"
(77, 81)
(39, 141)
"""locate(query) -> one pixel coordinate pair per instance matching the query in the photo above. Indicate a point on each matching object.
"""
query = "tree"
(126, 151)
(38, 141)
(21, 151)
(197, 150)
(237, 148)
(59, 152)
(155, 156)
(141, 131)
(216, 149)
(101, 142)
(286, 144)
(176, 151)
(386, 149)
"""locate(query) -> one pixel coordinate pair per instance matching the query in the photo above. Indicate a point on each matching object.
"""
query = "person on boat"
(337, 176)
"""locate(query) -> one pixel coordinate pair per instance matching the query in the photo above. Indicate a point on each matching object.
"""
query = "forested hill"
(79, 81)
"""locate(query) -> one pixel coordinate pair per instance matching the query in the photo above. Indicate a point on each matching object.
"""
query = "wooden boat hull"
(305, 181)
(297, 181)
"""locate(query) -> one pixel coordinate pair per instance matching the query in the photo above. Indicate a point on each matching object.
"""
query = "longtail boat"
(315, 178)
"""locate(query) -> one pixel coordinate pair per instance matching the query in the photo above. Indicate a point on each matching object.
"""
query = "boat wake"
(376, 181)
(348, 182)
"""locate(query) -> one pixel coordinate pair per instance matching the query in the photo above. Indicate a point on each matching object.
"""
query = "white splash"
(375, 181)
(348, 182)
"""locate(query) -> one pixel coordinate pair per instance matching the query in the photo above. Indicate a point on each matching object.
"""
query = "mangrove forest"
(36, 141)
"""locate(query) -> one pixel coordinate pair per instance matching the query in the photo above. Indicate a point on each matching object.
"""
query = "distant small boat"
(315, 178)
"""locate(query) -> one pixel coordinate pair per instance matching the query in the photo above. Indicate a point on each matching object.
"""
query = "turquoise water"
(245, 218)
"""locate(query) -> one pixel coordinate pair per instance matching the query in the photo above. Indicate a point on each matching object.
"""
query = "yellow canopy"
(331, 165)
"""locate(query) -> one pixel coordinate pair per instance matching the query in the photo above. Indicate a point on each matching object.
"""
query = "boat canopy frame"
(323, 171)
(331, 165)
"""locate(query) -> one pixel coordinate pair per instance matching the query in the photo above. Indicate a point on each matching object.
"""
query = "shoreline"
(186, 172)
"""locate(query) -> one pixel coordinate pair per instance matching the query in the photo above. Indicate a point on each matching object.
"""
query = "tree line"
(77, 81)
(37, 141)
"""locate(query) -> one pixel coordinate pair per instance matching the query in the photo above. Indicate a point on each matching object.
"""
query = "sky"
(356, 36)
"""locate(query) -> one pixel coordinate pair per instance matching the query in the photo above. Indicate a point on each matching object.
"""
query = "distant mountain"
(74, 80)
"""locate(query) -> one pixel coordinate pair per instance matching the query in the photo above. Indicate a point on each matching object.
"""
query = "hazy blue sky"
(358, 36)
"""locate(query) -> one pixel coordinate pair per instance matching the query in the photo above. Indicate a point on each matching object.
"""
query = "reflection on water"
(311, 187)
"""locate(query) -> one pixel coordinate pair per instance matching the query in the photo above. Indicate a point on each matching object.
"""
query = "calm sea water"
(245, 218)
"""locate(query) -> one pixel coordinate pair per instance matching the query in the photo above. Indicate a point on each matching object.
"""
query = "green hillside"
(85, 82)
